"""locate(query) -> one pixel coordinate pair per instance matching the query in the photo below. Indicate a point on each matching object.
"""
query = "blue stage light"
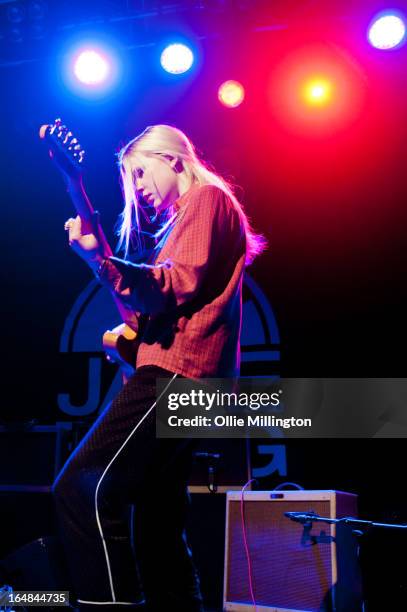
(177, 58)
(387, 31)
(92, 67)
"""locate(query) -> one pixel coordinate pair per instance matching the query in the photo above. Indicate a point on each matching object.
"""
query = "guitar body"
(120, 346)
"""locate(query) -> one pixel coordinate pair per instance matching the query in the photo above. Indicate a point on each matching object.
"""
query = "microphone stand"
(349, 528)
(311, 517)
(212, 459)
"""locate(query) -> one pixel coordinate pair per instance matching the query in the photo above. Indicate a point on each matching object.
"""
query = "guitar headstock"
(65, 149)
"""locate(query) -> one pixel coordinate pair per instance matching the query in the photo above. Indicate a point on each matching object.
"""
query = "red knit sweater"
(193, 295)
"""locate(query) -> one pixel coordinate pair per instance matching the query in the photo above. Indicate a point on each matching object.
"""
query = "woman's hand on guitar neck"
(86, 236)
(85, 245)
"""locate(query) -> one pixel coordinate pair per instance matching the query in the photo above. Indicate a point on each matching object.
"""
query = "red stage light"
(318, 92)
(231, 94)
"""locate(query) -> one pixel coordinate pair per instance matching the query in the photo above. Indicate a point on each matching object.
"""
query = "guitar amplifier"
(294, 567)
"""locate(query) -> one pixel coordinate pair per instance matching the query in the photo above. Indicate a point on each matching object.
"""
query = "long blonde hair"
(169, 141)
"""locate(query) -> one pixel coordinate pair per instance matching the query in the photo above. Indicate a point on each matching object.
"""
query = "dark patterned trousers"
(122, 501)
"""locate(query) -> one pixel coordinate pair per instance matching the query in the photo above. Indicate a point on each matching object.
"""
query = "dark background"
(327, 191)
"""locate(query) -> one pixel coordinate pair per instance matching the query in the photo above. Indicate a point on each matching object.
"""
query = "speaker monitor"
(294, 567)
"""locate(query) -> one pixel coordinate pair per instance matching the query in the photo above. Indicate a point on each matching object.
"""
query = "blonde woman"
(190, 291)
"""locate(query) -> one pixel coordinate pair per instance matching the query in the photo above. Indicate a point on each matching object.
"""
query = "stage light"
(318, 92)
(177, 59)
(231, 94)
(91, 67)
(387, 32)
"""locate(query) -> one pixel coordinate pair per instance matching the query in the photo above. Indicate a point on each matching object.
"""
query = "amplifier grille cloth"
(286, 571)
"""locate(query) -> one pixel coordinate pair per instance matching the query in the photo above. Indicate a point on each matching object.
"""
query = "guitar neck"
(69, 156)
(86, 212)
(82, 205)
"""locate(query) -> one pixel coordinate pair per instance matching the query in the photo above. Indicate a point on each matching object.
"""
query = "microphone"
(301, 517)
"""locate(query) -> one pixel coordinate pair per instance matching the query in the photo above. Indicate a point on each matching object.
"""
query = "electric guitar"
(120, 343)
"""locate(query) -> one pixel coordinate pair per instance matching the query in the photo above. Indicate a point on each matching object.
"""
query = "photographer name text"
(233, 421)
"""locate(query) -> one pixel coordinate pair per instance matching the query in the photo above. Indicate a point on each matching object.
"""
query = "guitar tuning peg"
(55, 126)
(67, 137)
